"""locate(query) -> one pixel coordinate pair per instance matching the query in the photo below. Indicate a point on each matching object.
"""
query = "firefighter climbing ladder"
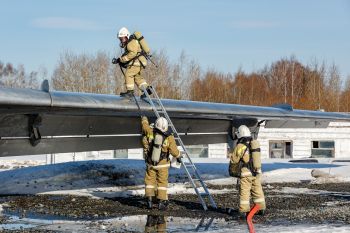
(191, 170)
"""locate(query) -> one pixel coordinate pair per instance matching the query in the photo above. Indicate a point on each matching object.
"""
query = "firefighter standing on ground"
(245, 164)
(158, 145)
(133, 59)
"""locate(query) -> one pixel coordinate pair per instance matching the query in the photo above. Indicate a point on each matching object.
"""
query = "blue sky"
(224, 35)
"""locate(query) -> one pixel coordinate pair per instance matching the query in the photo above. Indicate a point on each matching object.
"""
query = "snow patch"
(125, 177)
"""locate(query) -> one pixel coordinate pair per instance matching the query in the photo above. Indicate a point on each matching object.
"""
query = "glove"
(116, 60)
(179, 159)
(144, 118)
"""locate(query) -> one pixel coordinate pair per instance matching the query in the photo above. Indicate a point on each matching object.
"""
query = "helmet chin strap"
(122, 45)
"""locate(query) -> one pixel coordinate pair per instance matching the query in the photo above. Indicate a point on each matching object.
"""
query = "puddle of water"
(137, 223)
(154, 223)
(35, 217)
(16, 226)
(17, 223)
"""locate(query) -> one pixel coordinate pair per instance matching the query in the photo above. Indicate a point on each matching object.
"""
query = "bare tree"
(17, 77)
(334, 88)
(85, 73)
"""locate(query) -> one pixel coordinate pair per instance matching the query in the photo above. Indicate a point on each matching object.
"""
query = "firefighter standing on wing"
(245, 164)
(158, 145)
(133, 59)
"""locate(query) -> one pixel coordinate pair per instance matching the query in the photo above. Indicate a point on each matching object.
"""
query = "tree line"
(313, 86)
(11, 76)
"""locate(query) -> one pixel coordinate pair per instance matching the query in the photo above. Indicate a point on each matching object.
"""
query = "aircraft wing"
(44, 122)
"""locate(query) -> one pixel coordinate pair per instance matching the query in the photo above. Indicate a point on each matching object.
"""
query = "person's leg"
(150, 185)
(244, 194)
(162, 189)
(140, 81)
(162, 183)
(130, 73)
(258, 193)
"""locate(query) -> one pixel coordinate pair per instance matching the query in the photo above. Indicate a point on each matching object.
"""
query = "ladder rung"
(204, 194)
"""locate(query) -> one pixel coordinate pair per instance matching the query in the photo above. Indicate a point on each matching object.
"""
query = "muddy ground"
(330, 207)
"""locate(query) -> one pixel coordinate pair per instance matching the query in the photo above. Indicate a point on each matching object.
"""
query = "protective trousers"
(251, 185)
(133, 75)
(156, 181)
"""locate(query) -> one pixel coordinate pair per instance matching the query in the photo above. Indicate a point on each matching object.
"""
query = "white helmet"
(162, 124)
(243, 132)
(123, 32)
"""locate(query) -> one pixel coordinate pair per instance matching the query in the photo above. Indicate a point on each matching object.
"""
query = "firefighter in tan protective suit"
(134, 60)
(157, 145)
(245, 164)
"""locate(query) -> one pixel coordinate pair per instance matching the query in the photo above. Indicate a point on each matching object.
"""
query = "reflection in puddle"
(205, 224)
(16, 223)
(136, 223)
(158, 224)
(161, 223)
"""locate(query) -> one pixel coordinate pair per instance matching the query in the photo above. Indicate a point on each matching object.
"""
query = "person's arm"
(146, 128)
(145, 146)
(173, 147)
(133, 47)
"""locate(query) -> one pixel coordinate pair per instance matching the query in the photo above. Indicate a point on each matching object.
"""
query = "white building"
(331, 142)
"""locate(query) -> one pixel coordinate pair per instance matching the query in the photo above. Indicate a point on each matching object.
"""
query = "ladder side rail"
(197, 174)
(196, 189)
(151, 102)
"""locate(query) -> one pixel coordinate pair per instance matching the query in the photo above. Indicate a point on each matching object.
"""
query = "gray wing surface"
(41, 122)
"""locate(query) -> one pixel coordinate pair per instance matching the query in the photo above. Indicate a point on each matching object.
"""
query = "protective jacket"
(132, 55)
(245, 159)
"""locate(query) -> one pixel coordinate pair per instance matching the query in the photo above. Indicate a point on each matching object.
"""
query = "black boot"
(261, 213)
(163, 204)
(242, 215)
(149, 91)
(231, 211)
(127, 94)
(149, 203)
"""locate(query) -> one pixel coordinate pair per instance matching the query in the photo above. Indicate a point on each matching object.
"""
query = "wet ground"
(288, 203)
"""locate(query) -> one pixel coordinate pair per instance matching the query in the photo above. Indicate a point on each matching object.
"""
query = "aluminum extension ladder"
(191, 170)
